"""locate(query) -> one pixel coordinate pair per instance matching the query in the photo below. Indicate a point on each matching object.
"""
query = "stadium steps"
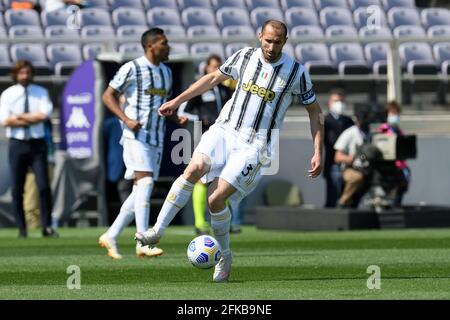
(391, 220)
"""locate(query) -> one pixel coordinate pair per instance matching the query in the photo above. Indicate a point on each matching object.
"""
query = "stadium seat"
(61, 33)
(376, 55)
(131, 49)
(253, 4)
(173, 31)
(184, 4)
(95, 17)
(349, 58)
(91, 50)
(304, 32)
(203, 31)
(207, 48)
(233, 47)
(438, 31)
(237, 4)
(301, 17)
(335, 16)
(382, 33)
(163, 16)
(130, 32)
(97, 33)
(362, 17)
(26, 32)
(137, 4)
(178, 48)
(64, 57)
(417, 58)
(287, 4)
(100, 4)
(33, 52)
(289, 50)
(321, 4)
(198, 17)
(22, 18)
(150, 4)
(441, 52)
(5, 60)
(128, 17)
(341, 32)
(389, 4)
(3, 34)
(238, 31)
(315, 57)
(408, 31)
(403, 16)
(435, 17)
(54, 18)
(232, 17)
(259, 15)
(355, 4)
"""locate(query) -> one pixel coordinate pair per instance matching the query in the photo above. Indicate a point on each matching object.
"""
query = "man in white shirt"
(231, 153)
(24, 107)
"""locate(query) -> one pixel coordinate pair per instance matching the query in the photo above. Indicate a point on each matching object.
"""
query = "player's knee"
(216, 201)
(194, 171)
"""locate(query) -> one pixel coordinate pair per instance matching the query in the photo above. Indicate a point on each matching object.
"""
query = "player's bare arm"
(33, 117)
(341, 157)
(316, 123)
(202, 85)
(15, 121)
(111, 100)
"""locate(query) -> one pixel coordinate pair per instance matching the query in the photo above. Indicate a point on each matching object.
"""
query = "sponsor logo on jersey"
(156, 92)
(267, 95)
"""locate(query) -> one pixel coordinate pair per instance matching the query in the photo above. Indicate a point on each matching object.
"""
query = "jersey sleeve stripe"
(150, 113)
(139, 88)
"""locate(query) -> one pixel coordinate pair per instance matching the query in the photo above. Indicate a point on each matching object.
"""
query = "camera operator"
(391, 127)
(346, 148)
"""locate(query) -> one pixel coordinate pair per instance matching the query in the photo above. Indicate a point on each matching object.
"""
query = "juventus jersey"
(146, 87)
(263, 94)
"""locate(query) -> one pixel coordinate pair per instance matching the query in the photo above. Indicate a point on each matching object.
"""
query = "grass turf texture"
(415, 264)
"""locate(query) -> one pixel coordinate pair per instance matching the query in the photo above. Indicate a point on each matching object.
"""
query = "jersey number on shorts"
(249, 168)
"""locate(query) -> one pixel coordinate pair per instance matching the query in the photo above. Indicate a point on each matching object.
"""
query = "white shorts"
(140, 156)
(232, 159)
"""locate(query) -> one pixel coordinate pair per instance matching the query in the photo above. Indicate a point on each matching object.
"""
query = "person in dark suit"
(335, 123)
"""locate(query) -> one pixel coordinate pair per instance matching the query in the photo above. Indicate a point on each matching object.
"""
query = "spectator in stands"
(205, 108)
(392, 127)
(335, 123)
(53, 5)
(24, 108)
(345, 152)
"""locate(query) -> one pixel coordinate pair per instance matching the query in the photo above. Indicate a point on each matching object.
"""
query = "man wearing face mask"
(392, 127)
(335, 123)
(346, 148)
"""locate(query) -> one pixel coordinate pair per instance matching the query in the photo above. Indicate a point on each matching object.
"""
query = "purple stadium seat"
(301, 17)
(441, 52)
(382, 33)
(305, 32)
(289, 50)
(315, 57)
(417, 58)
(131, 49)
(177, 48)
(238, 31)
(61, 33)
(259, 15)
(128, 17)
(95, 17)
(91, 50)
(22, 18)
(130, 32)
(207, 48)
(232, 17)
(5, 60)
(349, 58)
(203, 31)
(376, 55)
(355, 4)
(184, 4)
(163, 16)
(137, 4)
(374, 16)
(97, 32)
(173, 31)
(335, 16)
(286, 4)
(438, 31)
(408, 31)
(321, 4)
(64, 57)
(435, 17)
(101, 4)
(54, 18)
(218, 4)
(25, 32)
(389, 4)
(150, 4)
(252, 4)
(33, 52)
(198, 17)
(233, 47)
(403, 16)
(341, 32)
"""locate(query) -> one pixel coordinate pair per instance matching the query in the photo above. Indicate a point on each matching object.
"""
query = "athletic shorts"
(232, 159)
(140, 156)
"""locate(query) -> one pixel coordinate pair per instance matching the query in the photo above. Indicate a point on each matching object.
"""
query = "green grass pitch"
(414, 264)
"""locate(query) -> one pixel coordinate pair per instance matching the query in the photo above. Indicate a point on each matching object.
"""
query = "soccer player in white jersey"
(146, 84)
(230, 155)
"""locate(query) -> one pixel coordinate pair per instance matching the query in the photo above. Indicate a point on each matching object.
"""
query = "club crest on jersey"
(267, 95)
(156, 92)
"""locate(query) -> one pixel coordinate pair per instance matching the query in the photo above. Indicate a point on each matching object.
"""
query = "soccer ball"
(204, 252)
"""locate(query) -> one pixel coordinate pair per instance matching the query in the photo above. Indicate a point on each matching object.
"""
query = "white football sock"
(177, 198)
(126, 215)
(142, 203)
(220, 223)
